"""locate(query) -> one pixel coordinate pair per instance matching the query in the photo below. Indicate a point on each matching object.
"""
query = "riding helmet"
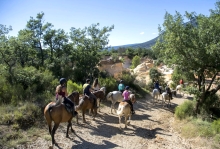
(121, 81)
(87, 80)
(62, 81)
(127, 87)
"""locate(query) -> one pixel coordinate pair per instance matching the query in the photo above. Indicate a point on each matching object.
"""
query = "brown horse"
(100, 94)
(57, 112)
(86, 103)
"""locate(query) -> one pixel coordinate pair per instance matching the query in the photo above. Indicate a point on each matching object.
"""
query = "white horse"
(179, 89)
(115, 96)
(156, 94)
(165, 96)
(124, 109)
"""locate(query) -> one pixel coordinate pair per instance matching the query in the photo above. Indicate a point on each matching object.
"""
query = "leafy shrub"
(154, 74)
(109, 83)
(26, 115)
(135, 61)
(216, 126)
(72, 86)
(184, 110)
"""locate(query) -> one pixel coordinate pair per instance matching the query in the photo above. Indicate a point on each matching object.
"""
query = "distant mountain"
(151, 42)
(146, 45)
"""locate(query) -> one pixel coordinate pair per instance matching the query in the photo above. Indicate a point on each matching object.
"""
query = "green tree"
(194, 47)
(88, 43)
(154, 74)
(38, 30)
(136, 61)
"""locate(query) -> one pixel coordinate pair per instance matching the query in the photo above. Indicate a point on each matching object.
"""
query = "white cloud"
(154, 33)
(142, 33)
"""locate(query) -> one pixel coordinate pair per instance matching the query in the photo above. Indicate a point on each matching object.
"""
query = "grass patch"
(193, 128)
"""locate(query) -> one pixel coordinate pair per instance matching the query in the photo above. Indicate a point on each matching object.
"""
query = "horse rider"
(61, 92)
(121, 86)
(96, 85)
(87, 91)
(126, 95)
(157, 86)
(181, 82)
(168, 91)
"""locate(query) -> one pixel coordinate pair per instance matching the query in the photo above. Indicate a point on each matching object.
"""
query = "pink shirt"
(126, 95)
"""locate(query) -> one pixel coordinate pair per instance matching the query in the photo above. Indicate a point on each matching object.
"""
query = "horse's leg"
(114, 106)
(49, 123)
(83, 115)
(111, 107)
(69, 126)
(77, 119)
(126, 121)
(94, 113)
(119, 121)
(99, 104)
(53, 132)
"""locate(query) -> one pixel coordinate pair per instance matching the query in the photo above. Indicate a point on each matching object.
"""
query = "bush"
(109, 83)
(74, 87)
(135, 61)
(184, 110)
(216, 126)
(26, 115)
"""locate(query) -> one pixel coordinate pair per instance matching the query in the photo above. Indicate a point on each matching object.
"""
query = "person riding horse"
(96, 85)
(61, 92)
(157, 86)
(87, 91)
(168, 91)
(121, 86)
(126, 95)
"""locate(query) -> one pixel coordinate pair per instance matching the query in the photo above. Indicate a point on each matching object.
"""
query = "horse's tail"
(110, 94)
(49, 110)
(120, 110)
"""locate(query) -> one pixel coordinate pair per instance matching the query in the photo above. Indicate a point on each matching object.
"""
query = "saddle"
(68, 107)
(90, 99)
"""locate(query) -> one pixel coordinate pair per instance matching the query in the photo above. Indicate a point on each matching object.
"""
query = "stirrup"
(75, 113)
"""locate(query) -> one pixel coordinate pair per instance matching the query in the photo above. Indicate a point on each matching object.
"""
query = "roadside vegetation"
(32, 63)
(193, 48)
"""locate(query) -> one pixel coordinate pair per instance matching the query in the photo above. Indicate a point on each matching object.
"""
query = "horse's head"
(103, 89)
(99, 94)
(74, 96)
(132, 98)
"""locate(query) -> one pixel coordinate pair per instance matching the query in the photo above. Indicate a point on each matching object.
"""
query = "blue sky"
(135, 21)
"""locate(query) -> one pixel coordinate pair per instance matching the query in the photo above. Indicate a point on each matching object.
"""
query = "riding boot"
(74, 113)
(95, 103)
(170, 94)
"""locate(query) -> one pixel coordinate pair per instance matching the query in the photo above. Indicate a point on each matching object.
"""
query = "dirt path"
(151, 127)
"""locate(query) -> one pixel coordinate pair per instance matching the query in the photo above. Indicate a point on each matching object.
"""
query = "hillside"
(150, 43)
(147, 44)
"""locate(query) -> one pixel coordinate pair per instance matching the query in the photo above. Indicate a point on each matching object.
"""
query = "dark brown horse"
(86, 103)
(100, 94)
(56, 111)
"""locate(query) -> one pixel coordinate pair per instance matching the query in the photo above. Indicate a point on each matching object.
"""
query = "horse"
(115, 96)
(156, 94)
(165, 96)
(56, 112)
(86, 103)
(179, 88)
(100, 95)
(124, 109)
